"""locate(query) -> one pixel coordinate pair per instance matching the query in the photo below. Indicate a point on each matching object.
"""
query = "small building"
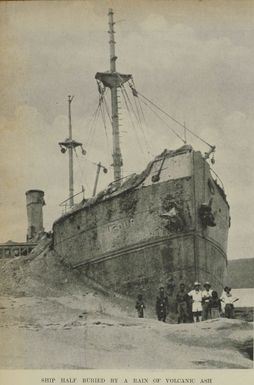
(34, 204)
(12, 249)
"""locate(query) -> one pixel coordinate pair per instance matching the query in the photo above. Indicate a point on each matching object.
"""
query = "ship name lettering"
(116, 227)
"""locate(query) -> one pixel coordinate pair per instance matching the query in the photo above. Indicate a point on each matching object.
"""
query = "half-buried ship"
(164, 226)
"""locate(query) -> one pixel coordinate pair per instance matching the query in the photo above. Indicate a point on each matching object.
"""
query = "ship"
(165, 225)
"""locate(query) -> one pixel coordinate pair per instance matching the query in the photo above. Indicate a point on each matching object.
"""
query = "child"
(214, 305)
(140, 306)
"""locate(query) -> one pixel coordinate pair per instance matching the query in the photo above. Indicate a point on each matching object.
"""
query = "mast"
(70, 149)
(114, 80)
(70, 145)
(117, 156)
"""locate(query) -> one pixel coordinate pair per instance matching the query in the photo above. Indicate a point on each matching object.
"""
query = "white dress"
(196, 300)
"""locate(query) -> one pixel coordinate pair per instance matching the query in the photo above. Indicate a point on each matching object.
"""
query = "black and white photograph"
(126, 195)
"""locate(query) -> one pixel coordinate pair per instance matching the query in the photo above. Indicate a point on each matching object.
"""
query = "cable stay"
(138, 117)
(131, 120)
(141, 113)
(102, 110)
(135, 113)
(164, 121)
(137, 94)
(92, 125)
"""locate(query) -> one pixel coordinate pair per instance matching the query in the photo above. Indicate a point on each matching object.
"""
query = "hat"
(161, 288)
(207, 284)
(196, 283)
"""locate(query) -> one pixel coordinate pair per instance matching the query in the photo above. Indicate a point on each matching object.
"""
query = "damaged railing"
(65, 205)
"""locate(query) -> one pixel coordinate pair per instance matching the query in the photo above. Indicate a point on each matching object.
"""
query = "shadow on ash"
(51, 317)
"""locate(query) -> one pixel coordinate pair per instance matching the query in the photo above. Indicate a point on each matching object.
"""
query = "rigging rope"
(93, 124)
(102, 109)
(138, 119)
(130, 117)
(163, 121)
(138, 106)
(135, 92)
(136, 114)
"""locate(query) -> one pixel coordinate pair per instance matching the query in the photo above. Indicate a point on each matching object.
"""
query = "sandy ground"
(76, 332)
(53, 318)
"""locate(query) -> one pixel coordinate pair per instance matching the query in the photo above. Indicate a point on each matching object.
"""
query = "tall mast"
(117, 156)
(70, 145)
(114, 80)
(70, 149)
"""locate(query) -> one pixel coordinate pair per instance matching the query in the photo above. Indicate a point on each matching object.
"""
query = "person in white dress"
(196, 296)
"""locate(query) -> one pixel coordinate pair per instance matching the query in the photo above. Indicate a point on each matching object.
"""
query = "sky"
(194, 59)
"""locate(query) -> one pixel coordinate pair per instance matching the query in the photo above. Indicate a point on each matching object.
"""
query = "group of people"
(205, 304)
(193, 306)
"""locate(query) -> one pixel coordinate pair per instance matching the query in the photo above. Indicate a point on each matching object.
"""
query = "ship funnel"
(34, 203)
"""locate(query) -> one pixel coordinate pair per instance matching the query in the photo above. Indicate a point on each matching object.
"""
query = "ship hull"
(151, 234)
(143, 268)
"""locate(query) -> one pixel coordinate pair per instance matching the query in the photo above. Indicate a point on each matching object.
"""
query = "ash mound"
(52, 317)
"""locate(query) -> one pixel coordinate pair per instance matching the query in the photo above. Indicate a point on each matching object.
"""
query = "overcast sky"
(195, 59)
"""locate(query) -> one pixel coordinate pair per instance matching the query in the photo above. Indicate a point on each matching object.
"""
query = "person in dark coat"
(214, 305)
(162, 305)
(140, 306)
(182, 300)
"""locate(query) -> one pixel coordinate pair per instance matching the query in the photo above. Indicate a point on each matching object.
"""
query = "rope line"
(163, 120)
(103, 115)
(135, 114)
(93, 125)
(141, 113)
(172, 118)
(138, 120)
(132, 123)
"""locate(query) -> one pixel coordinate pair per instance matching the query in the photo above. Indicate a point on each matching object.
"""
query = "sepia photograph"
(126, 195)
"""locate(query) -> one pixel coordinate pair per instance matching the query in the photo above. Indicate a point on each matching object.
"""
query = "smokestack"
(34, 203)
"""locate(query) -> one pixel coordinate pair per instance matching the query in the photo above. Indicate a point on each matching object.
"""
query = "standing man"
(228, 302)
(206, 296)
(196, 296)
(162, 305)
(182, 304)
(215, 305)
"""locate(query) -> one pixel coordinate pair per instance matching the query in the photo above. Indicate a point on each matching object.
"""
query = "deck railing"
(65, 205)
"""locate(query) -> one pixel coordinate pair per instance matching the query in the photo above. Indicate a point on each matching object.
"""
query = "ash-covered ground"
(53, 318)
